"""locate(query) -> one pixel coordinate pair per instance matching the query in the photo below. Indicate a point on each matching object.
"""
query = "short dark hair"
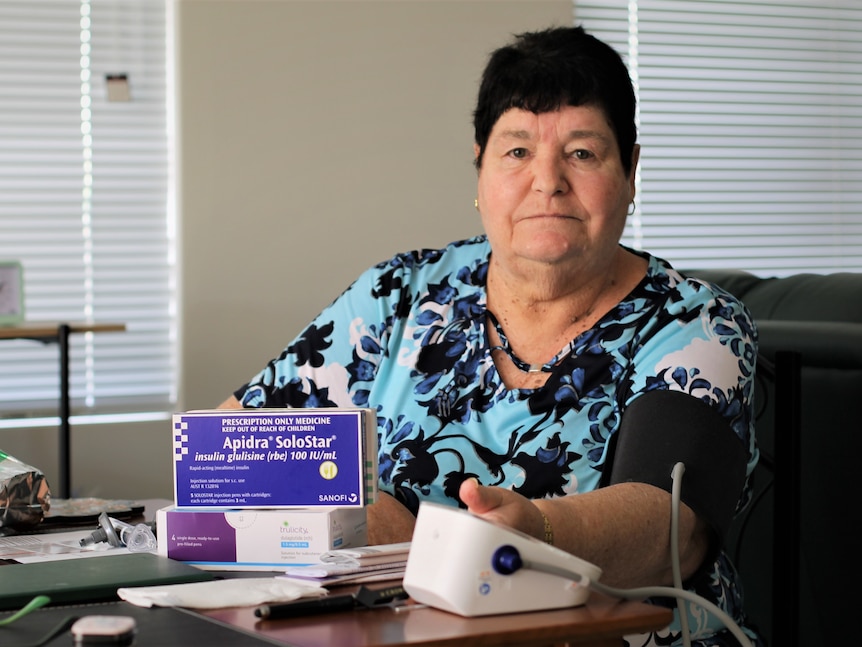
(547, 70)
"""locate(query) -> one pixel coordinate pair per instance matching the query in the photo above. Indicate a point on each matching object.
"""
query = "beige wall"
(110, 461)
(315, 138)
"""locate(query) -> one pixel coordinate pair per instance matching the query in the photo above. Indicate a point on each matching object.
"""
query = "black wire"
(746, 517)
(765, 374)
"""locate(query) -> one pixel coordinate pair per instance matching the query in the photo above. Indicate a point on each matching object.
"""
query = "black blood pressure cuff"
(662, 428)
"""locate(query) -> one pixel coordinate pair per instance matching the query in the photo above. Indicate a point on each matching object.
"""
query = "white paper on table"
(45, 547)
(231, 592)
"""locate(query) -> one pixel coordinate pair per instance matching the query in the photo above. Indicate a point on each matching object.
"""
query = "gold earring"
(476, 204)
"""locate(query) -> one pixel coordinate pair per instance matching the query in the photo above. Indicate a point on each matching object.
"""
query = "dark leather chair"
(796, 545)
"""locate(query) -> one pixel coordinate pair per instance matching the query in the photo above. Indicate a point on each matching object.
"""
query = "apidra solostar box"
(275, 458)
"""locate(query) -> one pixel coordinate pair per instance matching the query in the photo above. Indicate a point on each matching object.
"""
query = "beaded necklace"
(504, 346)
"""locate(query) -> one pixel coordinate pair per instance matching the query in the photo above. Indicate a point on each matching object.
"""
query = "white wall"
(315, 138)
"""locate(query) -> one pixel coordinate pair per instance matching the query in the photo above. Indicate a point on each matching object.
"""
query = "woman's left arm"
(623, 528)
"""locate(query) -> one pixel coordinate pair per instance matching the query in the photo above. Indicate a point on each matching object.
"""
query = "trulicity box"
(257, 540)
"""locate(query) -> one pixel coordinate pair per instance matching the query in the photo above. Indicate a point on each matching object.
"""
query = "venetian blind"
(85, 199)
(750, 118)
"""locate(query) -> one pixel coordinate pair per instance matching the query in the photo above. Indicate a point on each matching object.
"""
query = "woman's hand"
(503, 506)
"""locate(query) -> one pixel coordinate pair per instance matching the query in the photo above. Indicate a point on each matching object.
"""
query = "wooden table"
(602, 622)
(59, 332)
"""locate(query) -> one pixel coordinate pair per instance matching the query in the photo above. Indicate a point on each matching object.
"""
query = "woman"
(543, 375)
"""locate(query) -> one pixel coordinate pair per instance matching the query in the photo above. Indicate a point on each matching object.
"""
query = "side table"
(59, 332)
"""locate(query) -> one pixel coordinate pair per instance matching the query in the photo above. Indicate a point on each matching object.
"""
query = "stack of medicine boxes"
(263, 489)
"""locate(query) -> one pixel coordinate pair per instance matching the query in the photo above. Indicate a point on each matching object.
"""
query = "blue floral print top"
(409, 339)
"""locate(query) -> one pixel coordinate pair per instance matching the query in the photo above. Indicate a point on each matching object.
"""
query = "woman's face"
(552, 188)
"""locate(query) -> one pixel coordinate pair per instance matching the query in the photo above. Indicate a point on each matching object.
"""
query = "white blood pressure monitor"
(453, 565)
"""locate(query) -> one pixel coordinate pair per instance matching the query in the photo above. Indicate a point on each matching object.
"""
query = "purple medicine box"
(275, 458)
